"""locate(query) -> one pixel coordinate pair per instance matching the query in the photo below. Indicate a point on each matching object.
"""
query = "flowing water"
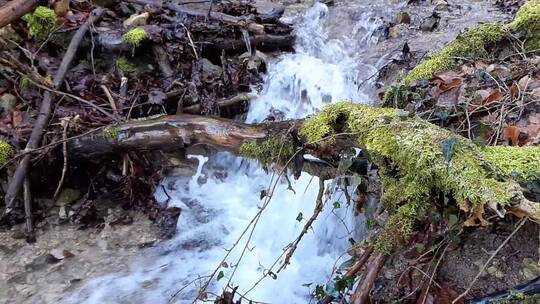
(225, 227)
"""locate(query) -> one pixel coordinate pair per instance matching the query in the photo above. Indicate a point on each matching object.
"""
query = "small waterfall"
(224, 197)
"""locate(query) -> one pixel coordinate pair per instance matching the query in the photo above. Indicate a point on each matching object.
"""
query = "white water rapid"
(221, 200)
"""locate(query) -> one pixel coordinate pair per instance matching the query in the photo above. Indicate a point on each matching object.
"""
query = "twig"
(27, 194)
(483, 268)
(352, 271)
(318, 208)
(45, 110)
(361, 293)
(191, 42)
(65, 124)
(110, 98)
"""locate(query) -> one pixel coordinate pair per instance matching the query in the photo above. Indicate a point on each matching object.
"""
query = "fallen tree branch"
(15, 9)
(361, 294)
(45, 110)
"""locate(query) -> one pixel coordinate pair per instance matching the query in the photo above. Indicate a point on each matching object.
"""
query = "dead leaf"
(484, 94)
(511, 134)
(523, 83)
(17, 119)
(449, 98)
(494, 96)
(477, 219)
(514, 91)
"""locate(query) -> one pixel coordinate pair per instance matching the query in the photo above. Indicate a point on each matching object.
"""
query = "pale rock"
(137, 20)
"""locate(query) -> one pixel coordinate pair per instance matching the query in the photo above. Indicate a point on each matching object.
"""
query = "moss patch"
(41, 22)
(111, 132)
(527, 22)
(128, 68)
(269, 151)
(415, 158)
(471, 43)
(519, 163)
(134, 37)
(6, 151)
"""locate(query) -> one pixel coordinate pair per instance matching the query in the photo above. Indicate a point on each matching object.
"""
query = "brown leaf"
(511, 134)
(514, 91)
(523, 83)
(477, 219)
(494, 96)
(484, 94)
(17, 119)
(449, 98)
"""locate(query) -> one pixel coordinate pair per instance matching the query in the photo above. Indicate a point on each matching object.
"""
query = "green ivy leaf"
(299, 217)
(337, 205)
(220, 275)
(448, 147)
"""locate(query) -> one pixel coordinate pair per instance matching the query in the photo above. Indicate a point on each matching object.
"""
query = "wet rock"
(441, 5)
(531, 268)
(430, 23)
(255, 63)
(61, 7)
(394, 31)
(137, 20)
(67, 197)
(494, 271)
(403, 17)
(209, 71)
(167, 222)
(268, 11)
(7, 103)
(41, 262)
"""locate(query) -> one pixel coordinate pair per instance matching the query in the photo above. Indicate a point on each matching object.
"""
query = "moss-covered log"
(416, 159)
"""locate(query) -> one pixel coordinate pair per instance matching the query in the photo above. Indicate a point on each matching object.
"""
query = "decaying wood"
(173, 132)
(15, 9)
(16, 182)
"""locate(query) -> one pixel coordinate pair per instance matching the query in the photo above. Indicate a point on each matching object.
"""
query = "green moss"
(528, 17)
(111, 132)
(25, 84)
(134, 37)
(268, 151)
(470, 43)
(127, 68)
(414, 158)
(6, 151)
(527, 23)
(41, 22)
(519, 163)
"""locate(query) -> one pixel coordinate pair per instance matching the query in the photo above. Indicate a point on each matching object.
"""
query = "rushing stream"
(224, 197)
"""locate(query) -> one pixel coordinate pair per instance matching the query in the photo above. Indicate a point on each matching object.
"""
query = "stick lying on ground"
(45, 110)
(15, 9)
